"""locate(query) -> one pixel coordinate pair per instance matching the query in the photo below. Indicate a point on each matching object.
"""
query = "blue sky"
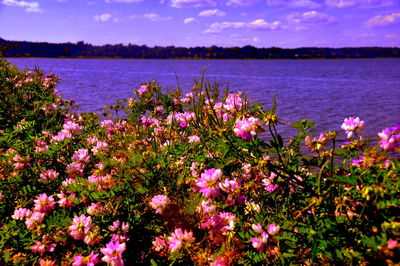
(189, 23)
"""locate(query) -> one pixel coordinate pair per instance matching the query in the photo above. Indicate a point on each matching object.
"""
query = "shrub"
(187, 180)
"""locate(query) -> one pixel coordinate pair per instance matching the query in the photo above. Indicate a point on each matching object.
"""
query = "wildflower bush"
(187, 180)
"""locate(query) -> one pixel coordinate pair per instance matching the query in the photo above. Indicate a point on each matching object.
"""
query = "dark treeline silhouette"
(85, 50)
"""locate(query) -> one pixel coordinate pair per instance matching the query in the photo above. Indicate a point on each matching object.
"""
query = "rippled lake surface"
(326, 91)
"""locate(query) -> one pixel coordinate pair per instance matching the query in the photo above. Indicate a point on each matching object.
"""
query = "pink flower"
(233, 103)
(43, 203)
(315, 144)
(208, 182)
(114, 227)
(159, 203)
(41, 146)
(257, 228)
(351, 125)
(41, 248)
(81, 156)
(179, 238)
(95, 209)
(273, 229)
(72, 128)
(206, 206)
(65, 200)
(80, 226)
(392, 244)
(62, 135)
(113, 253)
(35, 219)
(159, 243)
(246, 128)
(47, 175)
(390, 138)
(89, 260)
(259, 242)
(230, 185)
(194, 139)
(142, 90)
(21, 213)
(75, 170)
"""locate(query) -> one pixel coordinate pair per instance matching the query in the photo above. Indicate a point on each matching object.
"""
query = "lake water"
(326, 91)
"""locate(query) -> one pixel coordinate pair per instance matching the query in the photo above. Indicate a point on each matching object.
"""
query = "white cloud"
(310, 17)
(259, 24)
(212, 12)
(220, 26)
(123, 1)
(190, 20)
(150, 16)
(102, 17)
(359, 3)
(241, 2)
(155, 17)
(384, 21)
(392, 36)
(294, 3)
(192, 3)
(29, 6)
(304, 4)
(276, 2)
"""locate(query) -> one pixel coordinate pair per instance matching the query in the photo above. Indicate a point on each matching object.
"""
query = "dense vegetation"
(84, 50)
(187, 180)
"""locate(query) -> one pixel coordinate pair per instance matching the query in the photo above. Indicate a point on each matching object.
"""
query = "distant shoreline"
(200, 59)
(81, 50)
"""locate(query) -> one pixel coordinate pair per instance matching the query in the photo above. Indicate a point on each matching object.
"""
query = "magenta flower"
(95, 209)
(390, 138)
(257, 228)
(179, 238)
(89, 260)
(113, 253)
(41, 248)
(230, 185)
(21, 213)
(246, 128)
(233, 103)
(259, 242)
(194, 139)
(206, 206)
(315, 144)
(142, 90)
(72, 128)
(43, 203)
(351, 125)
(65, 200)
(35, 219)
(114, 227)
(159, 203)
(80, 226)
(75, 170)
(62, 136)
(273, 229)
(159, 243)
(81, 156)
(47, 175)
(208, 182)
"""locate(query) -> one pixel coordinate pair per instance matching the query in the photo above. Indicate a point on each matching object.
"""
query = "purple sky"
(261, 23)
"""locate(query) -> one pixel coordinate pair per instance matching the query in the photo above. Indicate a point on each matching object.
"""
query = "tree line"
(85, 50)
